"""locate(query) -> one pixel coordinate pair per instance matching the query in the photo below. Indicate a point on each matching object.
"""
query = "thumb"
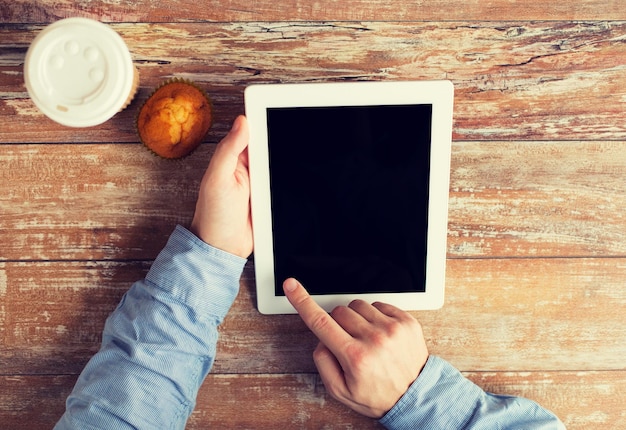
(228, 151)
(330, 371)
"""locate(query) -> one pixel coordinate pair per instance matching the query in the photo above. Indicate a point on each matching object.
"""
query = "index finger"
(327, 330)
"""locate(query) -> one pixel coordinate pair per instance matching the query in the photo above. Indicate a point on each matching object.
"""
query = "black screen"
(349, 190)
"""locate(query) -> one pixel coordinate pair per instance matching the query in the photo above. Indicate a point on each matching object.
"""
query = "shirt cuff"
(190, 271)
(438, 398)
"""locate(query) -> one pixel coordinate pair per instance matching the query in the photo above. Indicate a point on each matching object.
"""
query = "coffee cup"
(79, 72)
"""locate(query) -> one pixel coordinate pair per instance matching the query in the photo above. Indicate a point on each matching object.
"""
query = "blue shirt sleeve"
(442, 398)
(160, 342)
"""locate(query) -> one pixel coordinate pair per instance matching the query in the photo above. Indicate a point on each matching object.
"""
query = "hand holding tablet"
(349, 191)
(222, 215)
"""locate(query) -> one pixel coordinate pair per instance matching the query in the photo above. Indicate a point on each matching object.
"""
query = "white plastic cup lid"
(79, 72)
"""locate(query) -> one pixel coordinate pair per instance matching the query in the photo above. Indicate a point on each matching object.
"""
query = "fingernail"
(290, 285)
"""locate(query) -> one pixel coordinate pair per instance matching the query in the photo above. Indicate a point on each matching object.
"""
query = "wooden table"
(536, 296)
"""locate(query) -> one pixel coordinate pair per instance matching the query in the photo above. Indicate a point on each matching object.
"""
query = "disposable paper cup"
(79, 72)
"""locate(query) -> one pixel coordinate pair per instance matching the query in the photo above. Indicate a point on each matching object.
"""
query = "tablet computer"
(349, 191)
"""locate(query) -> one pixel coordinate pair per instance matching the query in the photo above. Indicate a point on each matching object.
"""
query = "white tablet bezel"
(259, 98)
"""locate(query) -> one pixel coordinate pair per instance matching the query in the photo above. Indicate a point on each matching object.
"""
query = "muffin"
(175, 119)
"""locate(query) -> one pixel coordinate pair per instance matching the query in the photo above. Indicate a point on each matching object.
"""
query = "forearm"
(441, 398)
(159, 344)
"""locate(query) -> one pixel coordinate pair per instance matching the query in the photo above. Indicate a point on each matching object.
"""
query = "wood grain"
(118, 201)
(300, 400)
(298, 10)
(537, 199)
(583, 400)
(549, 313)
(513, 80)
(93, 201)
(535, 297)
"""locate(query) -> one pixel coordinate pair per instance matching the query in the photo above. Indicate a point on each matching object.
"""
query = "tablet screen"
(349, 190)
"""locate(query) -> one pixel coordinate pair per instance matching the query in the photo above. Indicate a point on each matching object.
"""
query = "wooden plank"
(118, 201)
(514, 80)
(533, 314)
(52, 314)
(582, 400)
(28, 402)
(500, 315)
(324, 10)
(93, 201)
(537, 199)
(269, 401)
